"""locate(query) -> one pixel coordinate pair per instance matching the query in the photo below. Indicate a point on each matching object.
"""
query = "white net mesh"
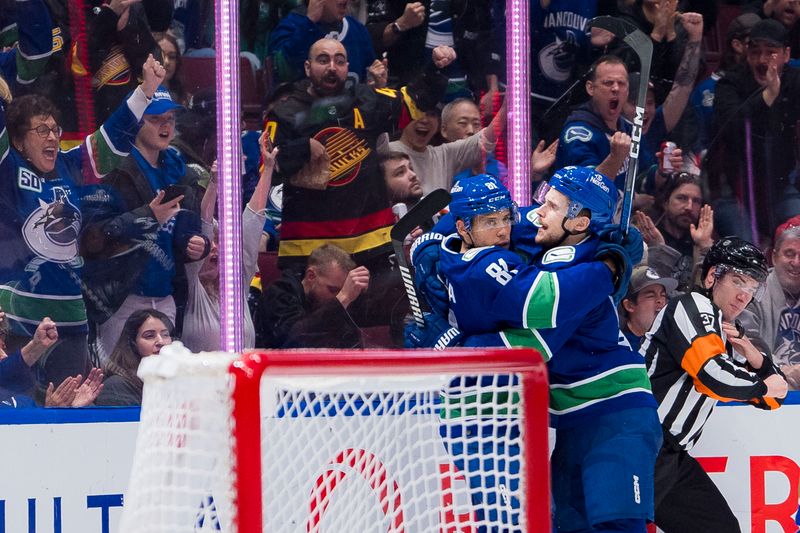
(181, 479)
(421, 453)
(415, 454)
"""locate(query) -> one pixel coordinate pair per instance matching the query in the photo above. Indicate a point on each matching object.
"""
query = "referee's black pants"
(686, 499)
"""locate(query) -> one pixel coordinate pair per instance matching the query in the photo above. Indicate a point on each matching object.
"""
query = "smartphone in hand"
(173, 191)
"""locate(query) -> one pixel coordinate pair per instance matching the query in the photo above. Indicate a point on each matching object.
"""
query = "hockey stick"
(643, 47)
(419, 215)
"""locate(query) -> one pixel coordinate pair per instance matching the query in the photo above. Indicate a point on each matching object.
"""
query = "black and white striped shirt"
(691, 367)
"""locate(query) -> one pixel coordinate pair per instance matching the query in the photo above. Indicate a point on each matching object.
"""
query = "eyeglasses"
(43, 130)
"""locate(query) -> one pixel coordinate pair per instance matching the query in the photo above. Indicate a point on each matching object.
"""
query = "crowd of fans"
(109, 244)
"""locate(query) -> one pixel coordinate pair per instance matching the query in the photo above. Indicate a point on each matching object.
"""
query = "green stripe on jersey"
(103, 153)
(474, 404)
(526, 338)
(616, 382)
(3, 143)
(26, 307)
(542, 302)
(30, 69)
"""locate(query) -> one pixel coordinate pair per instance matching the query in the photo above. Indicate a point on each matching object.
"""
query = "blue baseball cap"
(161, 102)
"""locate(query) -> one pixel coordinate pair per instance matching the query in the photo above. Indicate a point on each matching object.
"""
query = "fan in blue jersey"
(40, 198)
(601, 404)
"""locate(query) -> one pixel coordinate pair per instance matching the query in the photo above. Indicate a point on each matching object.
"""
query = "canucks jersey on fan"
(560, 38)
(40, 267)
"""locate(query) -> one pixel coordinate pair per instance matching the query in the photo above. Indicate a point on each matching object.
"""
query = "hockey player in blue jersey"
(601, 404)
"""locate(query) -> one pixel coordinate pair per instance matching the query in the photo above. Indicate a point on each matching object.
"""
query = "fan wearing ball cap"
(697, 354)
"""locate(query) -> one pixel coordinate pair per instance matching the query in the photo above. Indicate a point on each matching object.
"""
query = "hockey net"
(341, 442)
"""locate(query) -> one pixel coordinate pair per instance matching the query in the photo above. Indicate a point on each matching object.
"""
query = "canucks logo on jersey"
(51, 231)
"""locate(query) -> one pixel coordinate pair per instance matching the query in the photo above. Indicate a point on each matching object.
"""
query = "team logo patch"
(560, 254)
(29, 180)
(51, 231)
(346, 152)
(469, 255)
(578, 133)
(533, 218)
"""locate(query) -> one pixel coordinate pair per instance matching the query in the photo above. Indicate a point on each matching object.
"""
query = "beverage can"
(665, 165)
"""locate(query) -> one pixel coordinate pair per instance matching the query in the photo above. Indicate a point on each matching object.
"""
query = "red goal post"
(340, 441)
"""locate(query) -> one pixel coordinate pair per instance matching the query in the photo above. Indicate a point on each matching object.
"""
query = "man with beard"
(312, 312)
(759, 98)
(318, 19)
(401, 180)
(775, 320)
(333, 190)
(595, 134)
(683, 234)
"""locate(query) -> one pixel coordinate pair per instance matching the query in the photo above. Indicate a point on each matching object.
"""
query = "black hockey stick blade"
(419, 215)
(643, 46)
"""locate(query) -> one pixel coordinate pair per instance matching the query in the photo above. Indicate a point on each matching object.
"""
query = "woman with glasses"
(40, 198)
(144, 334)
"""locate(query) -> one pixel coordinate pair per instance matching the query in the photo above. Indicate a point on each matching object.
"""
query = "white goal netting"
(388, 449)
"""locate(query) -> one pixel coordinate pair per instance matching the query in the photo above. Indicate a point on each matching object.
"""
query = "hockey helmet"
(586, 189)
(479, 195)
(732, 254)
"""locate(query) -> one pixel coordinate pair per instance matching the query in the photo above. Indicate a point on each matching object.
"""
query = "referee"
(696, 355)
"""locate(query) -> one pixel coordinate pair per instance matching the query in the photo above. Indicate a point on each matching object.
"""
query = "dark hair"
(383, 158)
(607, 58)
(124, 359)
(175, 85)
(21, 110)
(675, 181)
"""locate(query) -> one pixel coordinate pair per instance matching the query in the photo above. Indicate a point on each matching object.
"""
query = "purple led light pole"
(229, 163)
(518, 51)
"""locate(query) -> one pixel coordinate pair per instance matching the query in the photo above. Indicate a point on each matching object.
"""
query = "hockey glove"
(425, 257)
(622, 264)
(437, 333)
(632, 242)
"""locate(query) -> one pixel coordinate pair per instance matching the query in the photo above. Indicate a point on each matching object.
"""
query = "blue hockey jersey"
(586, 141)
(559, 39)
(40, 267)
(560, 305)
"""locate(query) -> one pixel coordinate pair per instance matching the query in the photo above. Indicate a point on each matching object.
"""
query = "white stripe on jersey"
(717, 372)
(595, 377)
(684, 323)
(691, 400)
(598, 400)
(671, 396)
(702, 416)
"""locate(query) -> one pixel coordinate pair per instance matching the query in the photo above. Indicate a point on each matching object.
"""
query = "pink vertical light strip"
(518, 51)
(229, 162)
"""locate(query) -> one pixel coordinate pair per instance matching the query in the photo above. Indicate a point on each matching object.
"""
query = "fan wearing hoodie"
(595, 134)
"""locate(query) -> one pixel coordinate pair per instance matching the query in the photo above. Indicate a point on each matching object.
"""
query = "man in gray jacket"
(775, 320)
